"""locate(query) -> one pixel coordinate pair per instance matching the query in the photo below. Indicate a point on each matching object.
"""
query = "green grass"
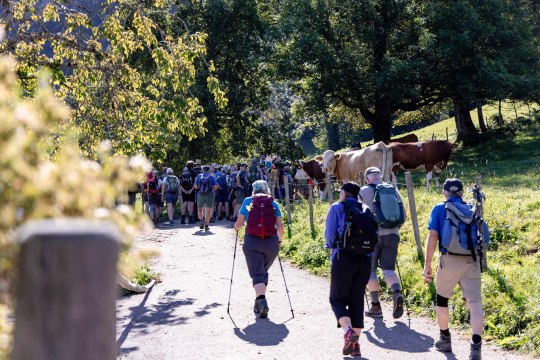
(510, 168)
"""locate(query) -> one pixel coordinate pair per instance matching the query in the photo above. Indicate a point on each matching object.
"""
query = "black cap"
(352, 188)
(453, 185)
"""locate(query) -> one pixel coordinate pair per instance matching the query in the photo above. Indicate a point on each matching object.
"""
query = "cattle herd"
(405, 153)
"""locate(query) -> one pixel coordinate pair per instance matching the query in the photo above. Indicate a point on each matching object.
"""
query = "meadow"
(509, 164)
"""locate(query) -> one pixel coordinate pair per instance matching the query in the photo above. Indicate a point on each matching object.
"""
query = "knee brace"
(442, 301)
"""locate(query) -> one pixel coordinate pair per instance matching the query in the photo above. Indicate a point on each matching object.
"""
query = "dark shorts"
(188, 197)
(154, 199)
(240, 196)
(260, 254)
(348, 279)
(171, 198)
(222, 196)
(385, 252)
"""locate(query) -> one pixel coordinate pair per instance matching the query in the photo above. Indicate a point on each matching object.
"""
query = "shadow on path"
(263, 333)
(398, 337)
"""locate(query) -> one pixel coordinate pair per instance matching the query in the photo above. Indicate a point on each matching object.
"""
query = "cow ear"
(319, 158)
(300, 165)
(337, 156)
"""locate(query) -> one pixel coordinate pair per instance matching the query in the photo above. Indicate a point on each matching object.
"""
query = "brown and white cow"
(431, 156)
(312, 170)
(409, 138)
(350, 166)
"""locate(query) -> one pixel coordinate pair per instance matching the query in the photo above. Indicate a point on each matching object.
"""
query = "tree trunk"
(500, 120)
(481, 121)
(332, 133)
(381, 128)
(466, 132)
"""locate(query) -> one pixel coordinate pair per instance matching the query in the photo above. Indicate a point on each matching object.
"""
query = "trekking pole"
(404, 297)
(232, 272)
(286, 288)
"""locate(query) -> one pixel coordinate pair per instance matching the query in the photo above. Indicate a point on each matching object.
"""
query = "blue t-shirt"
(247, 202)
(211, 179)
(438, 217)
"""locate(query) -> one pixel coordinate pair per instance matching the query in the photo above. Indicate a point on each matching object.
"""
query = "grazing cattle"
(312, 170)
(431, 156)
(409, 138)
(350, 166)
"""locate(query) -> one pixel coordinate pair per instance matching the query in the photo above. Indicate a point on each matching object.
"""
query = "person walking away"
(170, 191)
(240, 189)
(205, 184)
(145, 200)
(385, 201)
(154, 196)
(187, 187)
(222, 195)
(351, 235)
(457, 264)
(254, 174)
(263, 236)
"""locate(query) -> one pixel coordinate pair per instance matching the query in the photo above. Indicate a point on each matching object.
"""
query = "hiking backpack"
(204, 184)
(222, 181)
(243, 181)
(172, 184)
(387, 206)
(360, 235)
(460, 233)
(253, 174)
(153, 187)
(186, 181)
(262, 218)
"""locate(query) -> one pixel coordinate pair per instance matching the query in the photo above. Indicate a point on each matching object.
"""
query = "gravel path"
(185, 316)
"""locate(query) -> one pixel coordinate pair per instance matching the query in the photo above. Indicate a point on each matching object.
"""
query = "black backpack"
(186, 181)
(360, 235)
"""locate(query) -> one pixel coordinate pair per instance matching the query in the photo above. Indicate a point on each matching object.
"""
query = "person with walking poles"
(264, 231)
(351, 235)
(386, 204)
(461, 237)
(205, 185)
(170, 191)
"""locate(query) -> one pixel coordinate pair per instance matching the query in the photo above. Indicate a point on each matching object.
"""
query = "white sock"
(346, 329)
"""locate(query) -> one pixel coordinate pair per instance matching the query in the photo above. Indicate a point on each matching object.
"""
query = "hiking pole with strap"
(402, 289)
(286, 288)
(232, 272)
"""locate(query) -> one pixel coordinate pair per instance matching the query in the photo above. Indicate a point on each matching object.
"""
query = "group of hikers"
(210, 192)
(362, 234)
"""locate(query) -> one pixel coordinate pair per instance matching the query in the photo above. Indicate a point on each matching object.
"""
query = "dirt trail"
(185, 316)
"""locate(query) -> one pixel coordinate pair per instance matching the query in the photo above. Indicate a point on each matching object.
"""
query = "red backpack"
(262, 219)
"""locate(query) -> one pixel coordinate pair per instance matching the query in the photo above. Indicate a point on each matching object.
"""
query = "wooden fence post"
(287, 200)
(414, 217)
(66, 291)
(311, 220)
(329, 188)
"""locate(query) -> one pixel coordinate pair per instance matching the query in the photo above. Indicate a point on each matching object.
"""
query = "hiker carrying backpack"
(254, 174)
(360, 235)
(262, 217)
(172, 184)
(186, 180)
(387, 206)
(205, 185)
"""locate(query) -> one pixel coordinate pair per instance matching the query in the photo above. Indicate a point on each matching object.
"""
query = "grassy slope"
(510, 169)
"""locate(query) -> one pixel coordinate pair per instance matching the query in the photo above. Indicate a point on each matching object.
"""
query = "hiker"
(240, 188)
(205, 185)
(170, 191)
(153, 188)
(264, 232)
(196, 170)
(144, 196)
(222, 196)
(386, 250)
(349, 225)
(253, 174)
(454, 268)
(187, 185)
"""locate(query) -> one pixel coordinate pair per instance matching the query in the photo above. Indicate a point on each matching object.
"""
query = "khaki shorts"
(462, 270)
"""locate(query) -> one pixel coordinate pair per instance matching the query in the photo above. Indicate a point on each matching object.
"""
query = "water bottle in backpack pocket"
(360, 235)
(460, 233)
(388, 207)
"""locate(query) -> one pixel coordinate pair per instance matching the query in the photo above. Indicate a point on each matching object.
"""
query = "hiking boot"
(201, 226)
(476, 351)
(263, 308)
(444, 344)
(375, 311)
(183, 220)
(256, 308)
(356, 350)
(171, 223)
(191, 220)
(351, 338)
(206, 228)
(398, 304)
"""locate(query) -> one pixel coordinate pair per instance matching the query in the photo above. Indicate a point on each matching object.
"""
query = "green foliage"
(143, 275)
(509, 169)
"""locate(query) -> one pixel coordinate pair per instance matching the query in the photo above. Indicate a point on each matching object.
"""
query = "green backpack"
(387, 206)
(172, 184)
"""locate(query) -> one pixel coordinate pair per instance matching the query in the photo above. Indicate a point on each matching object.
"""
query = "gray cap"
(453, 185)
(372, 170)
(169, 171)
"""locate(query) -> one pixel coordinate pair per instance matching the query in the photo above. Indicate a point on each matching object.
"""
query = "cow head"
(328, 161)
(301, 174)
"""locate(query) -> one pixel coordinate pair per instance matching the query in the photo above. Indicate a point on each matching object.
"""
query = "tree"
(125, 78)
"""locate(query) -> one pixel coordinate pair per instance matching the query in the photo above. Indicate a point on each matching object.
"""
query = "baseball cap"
(453, 185)
(351, 188)
(206, 168)
(372, 170)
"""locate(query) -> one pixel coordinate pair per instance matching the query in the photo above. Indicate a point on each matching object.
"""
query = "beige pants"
(462, 270)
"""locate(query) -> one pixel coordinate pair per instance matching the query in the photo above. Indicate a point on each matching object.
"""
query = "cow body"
(312, 170)
(350, 166)
(431, 156)
(409, 138)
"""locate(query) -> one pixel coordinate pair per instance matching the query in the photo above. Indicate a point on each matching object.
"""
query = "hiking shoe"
(351, 338)
(444, 344)
(256, 308)
(375, 311)
(356, 350)
(191, 220)
(476, 352)
(182, 221)
(263, 308)
(201, 226)
(171, 223)
(220, 218)
(398, 304)
(206, 228)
